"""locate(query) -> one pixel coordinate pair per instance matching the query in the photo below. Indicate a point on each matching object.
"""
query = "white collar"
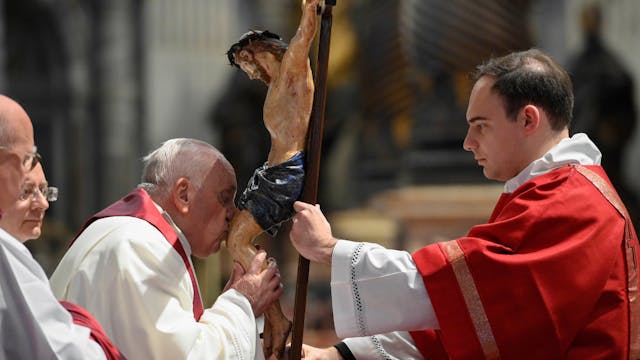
(6, 236)
(578, 149)
(10, 240)
(181, 237)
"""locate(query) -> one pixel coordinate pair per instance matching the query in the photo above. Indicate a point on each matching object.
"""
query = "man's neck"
(546, 143)
(575, 150)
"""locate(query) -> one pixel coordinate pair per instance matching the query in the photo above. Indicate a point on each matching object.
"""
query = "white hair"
(176, 158)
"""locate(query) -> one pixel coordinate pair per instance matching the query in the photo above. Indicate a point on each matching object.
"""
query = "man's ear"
(531, 118)
(181, 195)
(245, 55)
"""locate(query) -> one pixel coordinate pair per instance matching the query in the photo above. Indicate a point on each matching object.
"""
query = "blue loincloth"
(271, 191)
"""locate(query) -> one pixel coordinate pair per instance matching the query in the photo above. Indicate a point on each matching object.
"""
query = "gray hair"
(176, 158)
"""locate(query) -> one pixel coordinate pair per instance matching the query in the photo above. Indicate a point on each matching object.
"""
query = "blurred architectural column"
(185, 65)
(116, 96)
(547, 22)
(3, 81)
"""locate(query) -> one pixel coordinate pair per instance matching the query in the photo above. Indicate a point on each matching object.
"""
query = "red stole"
(551, 275)
(138, 204)
(83, 318)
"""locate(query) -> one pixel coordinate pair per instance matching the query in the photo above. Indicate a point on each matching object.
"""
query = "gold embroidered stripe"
(472, 299)
(632, 261)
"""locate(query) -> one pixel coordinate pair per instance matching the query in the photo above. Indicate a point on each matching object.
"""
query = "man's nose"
(40, 202)
(468, 144)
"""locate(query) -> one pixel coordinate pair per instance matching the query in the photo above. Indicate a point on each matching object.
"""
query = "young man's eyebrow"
(476, 118)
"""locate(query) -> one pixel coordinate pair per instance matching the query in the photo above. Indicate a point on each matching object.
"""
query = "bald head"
(16, 140)
(15, 125)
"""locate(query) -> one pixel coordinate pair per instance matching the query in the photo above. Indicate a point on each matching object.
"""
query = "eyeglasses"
(30, 159)
(50, 193)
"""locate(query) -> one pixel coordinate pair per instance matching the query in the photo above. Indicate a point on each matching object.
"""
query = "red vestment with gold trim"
(549, 276)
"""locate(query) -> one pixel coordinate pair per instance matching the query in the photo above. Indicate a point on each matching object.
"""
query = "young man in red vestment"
(553, 274)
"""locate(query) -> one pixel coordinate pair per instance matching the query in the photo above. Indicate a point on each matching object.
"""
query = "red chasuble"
(552, 275)
(138, 204)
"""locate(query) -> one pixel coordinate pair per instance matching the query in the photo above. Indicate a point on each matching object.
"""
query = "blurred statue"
(604, 102)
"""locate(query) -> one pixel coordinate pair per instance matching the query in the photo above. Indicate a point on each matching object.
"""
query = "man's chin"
(489, 174)
(493, 176)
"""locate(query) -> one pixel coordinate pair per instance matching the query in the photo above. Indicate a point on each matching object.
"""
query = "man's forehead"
(482, 95)
(221, 189)
(483, 85)
(221, 177)
(36, 175)
(22, 139)
(228, 182)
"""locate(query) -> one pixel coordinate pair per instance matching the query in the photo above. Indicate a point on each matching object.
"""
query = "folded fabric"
(271, 192)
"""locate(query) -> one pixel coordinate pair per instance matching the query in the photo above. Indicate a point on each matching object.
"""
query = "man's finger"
(256, 263)
(301, 205)
(275, 282)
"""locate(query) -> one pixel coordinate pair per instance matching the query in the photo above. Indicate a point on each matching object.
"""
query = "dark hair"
(531, 77)
(260, 41)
